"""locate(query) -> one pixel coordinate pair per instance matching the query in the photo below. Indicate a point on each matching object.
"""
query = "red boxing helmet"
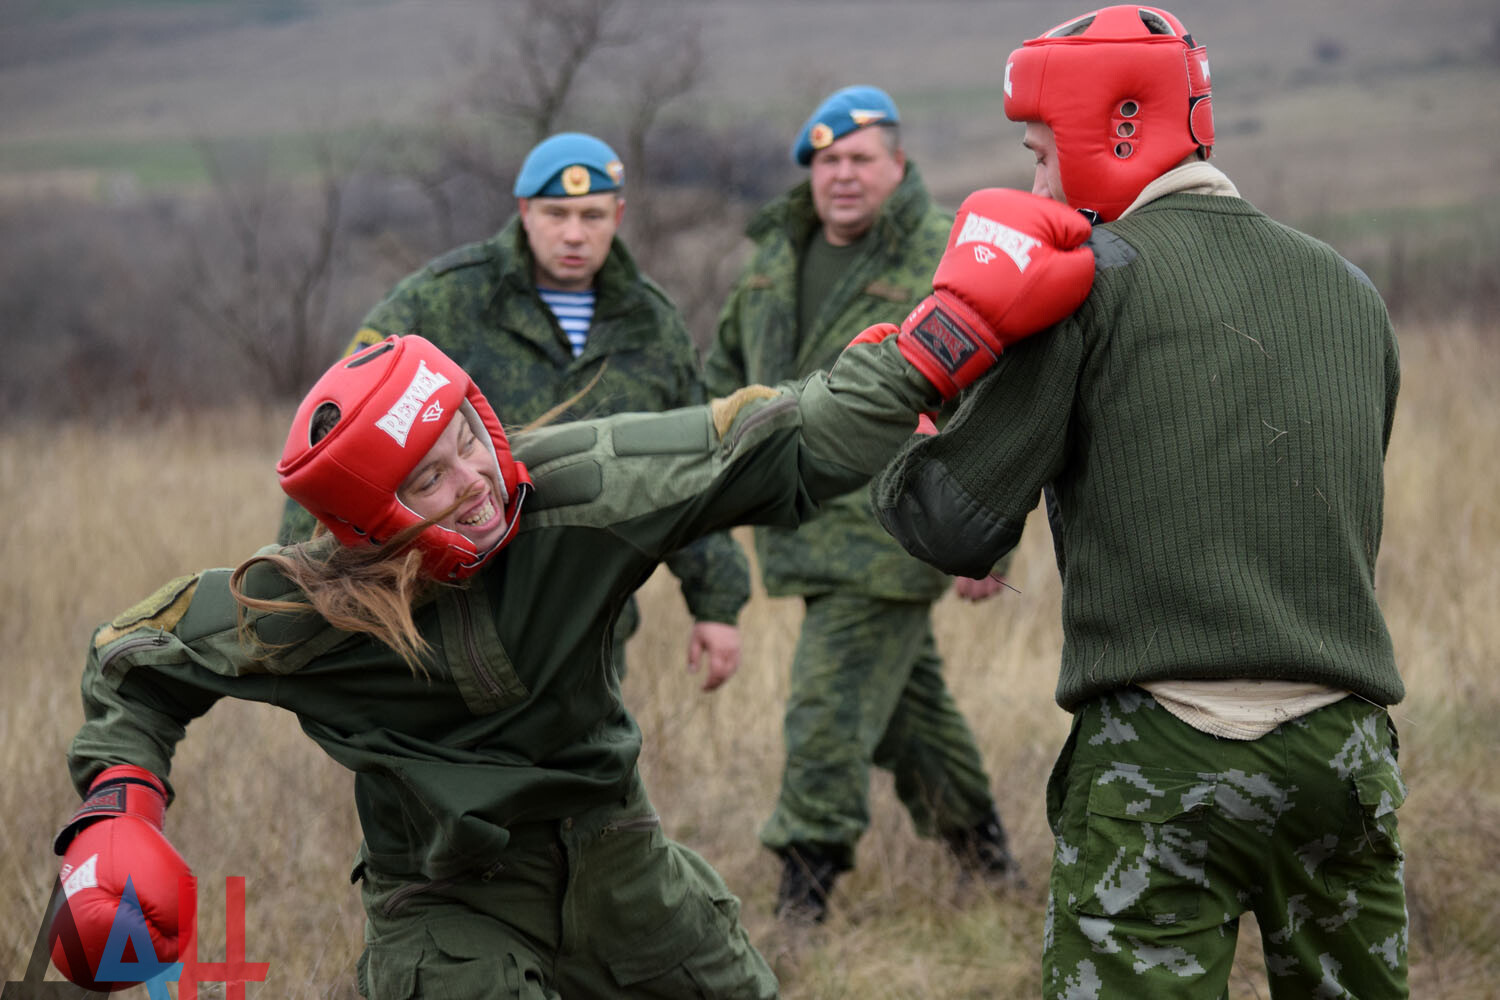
(388, 405)
(1126, 93)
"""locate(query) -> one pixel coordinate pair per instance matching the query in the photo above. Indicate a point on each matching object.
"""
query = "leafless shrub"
(263, 286)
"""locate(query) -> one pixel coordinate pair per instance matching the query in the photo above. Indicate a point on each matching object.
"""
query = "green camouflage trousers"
(600, 905)
(867, 687)
(1165, 835)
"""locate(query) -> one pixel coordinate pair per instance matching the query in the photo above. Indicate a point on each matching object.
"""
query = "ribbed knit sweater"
(1210, 429)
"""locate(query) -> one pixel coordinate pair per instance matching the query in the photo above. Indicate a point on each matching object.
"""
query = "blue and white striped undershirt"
(574, 312)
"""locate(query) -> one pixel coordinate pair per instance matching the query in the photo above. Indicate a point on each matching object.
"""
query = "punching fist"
(115, 837)
(1015, 265)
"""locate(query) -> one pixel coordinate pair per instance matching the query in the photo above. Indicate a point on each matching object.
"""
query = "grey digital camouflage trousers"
(598, 905)
(1166, 835)
(867, 688)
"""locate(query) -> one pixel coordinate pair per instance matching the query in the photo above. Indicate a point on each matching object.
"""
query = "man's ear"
(619, 208)
(521, 204)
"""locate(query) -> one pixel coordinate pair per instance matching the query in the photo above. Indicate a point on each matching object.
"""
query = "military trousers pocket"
(1369, 844)
(1145, 842)
(385, 973)
(451, 960)
(639, 900)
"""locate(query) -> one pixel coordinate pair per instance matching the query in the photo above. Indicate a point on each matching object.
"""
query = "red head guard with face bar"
(1126, 93)
(390, 403)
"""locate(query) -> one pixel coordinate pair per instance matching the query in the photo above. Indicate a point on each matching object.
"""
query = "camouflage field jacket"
(844, 548)
(479, 304)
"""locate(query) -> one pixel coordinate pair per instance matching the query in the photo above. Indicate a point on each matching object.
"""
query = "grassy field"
(1338, 106)
(101, 516)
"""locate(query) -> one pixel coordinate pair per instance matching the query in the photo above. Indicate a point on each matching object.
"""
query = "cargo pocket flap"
(663, 949)
(1381, 792)
(1149, 795)
(388, 973)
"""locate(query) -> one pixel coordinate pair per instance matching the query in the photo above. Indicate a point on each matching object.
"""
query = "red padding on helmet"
(1125, 104)
(394, 401)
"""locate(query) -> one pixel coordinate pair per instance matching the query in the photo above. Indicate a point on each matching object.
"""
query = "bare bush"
(263, 284)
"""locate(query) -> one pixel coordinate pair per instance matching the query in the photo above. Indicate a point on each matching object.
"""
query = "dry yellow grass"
(101, 517)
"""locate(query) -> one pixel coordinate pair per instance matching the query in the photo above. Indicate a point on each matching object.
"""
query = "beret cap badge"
(843, 112)
(575, 179)
(567, 165)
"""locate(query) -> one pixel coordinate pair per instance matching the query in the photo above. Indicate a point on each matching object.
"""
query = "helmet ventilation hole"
(1123, 150)
(1129, 109)
(1125, 130)
(323, 420)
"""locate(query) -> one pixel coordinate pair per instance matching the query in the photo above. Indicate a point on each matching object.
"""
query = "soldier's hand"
(971, 588)
(715, 647)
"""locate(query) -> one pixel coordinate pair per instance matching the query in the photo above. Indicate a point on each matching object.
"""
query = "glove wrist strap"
(947, 342)
(122, 790)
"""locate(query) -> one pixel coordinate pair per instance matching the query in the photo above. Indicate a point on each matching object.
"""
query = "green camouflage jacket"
(479, 305)
(844, 548)
(519, 717)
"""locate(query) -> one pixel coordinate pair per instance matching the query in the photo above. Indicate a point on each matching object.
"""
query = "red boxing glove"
(873, 334)
(1015, 265)
(115, 836)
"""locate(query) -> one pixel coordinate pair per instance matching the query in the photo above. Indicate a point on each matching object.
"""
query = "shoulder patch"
(464, 256)
(162, 610)
(366, 337)
(1110, 249)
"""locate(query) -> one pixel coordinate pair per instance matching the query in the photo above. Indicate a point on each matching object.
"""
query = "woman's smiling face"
(460, 469)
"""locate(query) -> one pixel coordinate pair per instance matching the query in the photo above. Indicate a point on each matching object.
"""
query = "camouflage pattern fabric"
(598, 905)
(479, 305)
(844, 548)
(1166, 835)
(867, 686)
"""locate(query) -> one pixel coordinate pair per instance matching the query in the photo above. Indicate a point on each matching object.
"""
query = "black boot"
(983, 850)
(807, 875)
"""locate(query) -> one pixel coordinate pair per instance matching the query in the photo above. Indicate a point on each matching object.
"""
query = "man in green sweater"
(551, 315)
(854, 245)
(1209, 431)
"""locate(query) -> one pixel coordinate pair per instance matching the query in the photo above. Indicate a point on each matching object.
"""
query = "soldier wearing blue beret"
(552, 312)
(843, 112)
(854, 244)
(569, 165)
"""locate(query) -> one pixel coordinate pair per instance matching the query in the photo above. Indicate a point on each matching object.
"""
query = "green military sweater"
(1210, 428)
(758, 341)
(480, 306)
(519, 717)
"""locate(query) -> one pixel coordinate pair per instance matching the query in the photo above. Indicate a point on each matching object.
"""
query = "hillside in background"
(1341, 106)
(160, 160)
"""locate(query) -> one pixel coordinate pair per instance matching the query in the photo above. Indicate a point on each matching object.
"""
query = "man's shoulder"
(468, 255)
(654, 297)
(490, 257)
(471, 262)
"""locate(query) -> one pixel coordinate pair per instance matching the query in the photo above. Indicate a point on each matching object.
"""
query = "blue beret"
(843, 112)
(567, 164)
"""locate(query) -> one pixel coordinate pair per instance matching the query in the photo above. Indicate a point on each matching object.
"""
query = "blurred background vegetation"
(200, 198)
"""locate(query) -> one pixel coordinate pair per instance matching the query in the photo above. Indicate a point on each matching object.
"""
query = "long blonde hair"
(370, 589)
